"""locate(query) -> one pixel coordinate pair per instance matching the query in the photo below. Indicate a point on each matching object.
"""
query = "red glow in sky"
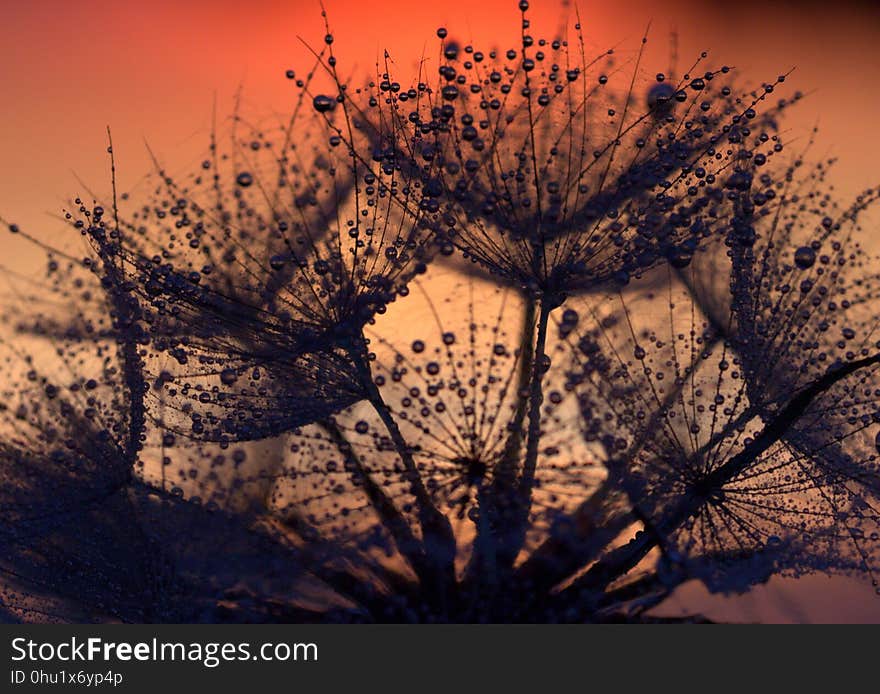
(151, 70)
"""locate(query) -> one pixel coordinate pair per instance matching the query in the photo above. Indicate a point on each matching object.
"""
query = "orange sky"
(151, 69)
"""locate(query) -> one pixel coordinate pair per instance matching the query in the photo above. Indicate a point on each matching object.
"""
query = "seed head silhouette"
(540, 342)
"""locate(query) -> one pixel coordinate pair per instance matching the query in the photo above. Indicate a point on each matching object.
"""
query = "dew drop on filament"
(323, 103)
(804, 257)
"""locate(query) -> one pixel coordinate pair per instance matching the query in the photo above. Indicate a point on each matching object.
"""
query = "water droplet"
(804, 257)
(244, 179)
(323, 103)
(680, 258)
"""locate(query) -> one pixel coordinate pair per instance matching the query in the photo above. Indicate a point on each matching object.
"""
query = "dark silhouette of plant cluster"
(514, 344)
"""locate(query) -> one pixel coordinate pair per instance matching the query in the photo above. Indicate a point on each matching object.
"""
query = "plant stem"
(437, 534)
(520, 501)
(127, 312)
(493, 498)
(595, 524)
(392, 519)
(536, 399)
(506, 471)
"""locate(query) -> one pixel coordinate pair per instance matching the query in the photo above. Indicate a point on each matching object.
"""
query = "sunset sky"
(151, 71)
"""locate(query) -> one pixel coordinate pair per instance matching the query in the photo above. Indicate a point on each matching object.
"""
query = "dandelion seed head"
(547, 195)
(258, 271)
(703, 409)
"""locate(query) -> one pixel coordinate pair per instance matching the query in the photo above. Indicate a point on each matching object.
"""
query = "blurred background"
(152, 72)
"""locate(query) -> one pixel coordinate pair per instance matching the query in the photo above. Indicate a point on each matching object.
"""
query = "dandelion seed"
(255, 294)
(550, 198)
(756, 450)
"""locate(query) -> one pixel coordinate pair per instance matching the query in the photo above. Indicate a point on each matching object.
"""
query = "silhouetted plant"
(288, 402)
(84, 537)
